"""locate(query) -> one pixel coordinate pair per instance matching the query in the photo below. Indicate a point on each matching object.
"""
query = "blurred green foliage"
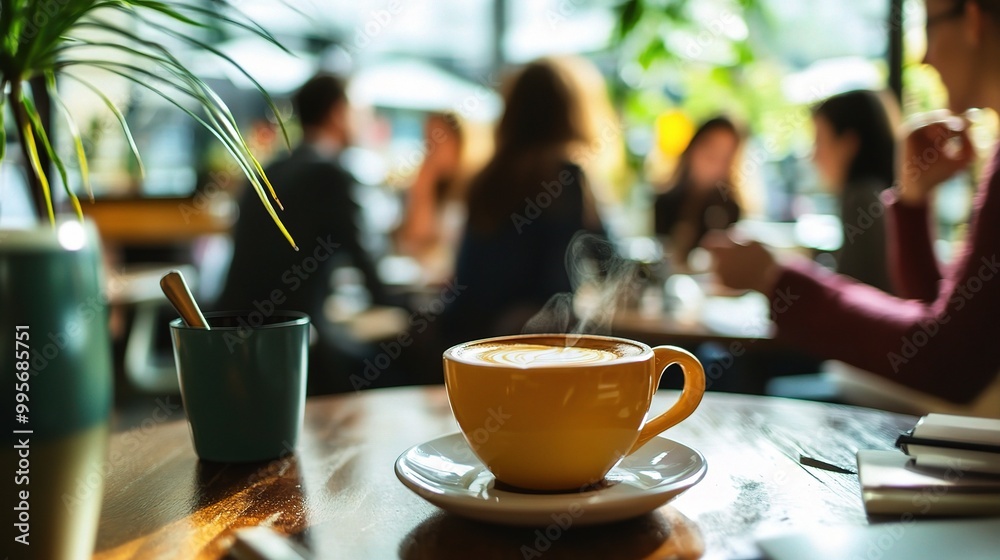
(705, 62)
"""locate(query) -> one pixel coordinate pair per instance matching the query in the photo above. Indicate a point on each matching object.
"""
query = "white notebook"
(962, 443)
(893, 484)
(968, 429)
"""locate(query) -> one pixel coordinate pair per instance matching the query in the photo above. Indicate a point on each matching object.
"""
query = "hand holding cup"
(937, 146)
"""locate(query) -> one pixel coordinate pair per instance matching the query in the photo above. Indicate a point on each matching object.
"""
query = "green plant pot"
(55, 363)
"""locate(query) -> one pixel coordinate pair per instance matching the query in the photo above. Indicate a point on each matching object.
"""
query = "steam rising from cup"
(601, 280)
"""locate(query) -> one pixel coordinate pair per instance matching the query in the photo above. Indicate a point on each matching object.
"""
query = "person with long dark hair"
(939, 337)
(524, 208)
(701, 195)
(855, 155)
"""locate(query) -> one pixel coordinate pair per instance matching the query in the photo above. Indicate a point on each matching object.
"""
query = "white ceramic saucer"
(446, 473)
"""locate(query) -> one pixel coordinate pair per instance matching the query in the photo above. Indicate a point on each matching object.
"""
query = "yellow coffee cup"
(557, 411)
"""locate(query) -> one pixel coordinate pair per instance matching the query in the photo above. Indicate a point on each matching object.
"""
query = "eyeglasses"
(956, 11)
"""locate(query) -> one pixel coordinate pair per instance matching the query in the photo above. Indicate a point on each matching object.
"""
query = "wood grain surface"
(339, 497)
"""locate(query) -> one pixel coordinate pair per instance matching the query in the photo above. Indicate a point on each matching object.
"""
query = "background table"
(662, 328)
(339, 496)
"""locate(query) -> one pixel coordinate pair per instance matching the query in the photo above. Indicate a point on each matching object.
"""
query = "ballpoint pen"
(810, 462)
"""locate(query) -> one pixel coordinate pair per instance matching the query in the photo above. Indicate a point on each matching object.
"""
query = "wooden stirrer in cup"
(176, 290)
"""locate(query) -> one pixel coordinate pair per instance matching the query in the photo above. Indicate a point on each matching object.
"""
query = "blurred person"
(855, 156)
(524, 208)
(701, 195)
(601, 149)
(939, 336)
(435, 205)
(437, 181)
(319, 211)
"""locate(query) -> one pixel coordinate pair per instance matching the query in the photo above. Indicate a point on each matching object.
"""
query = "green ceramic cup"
(243, 383)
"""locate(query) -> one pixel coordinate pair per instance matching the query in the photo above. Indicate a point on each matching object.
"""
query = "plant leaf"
(164, 9)
(48, 49)
(629, 15)
(201, 44)
(221, 134)
(27, 136)
(250, 25)
(121, 120)
(74, 131)
(235, 131)
(218, 111)
(36, 123)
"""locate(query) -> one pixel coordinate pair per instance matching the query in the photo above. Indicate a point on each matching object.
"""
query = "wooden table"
(161, 221)
(340, 498)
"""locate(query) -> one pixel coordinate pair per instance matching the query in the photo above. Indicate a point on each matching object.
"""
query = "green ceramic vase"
(55, 363)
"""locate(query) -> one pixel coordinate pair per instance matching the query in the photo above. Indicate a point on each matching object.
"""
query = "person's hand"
(741, 266)
(936, 148)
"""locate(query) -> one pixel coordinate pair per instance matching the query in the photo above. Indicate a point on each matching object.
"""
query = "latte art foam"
(527, 355)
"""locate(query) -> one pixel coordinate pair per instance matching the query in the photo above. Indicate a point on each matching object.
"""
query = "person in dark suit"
(319, 211)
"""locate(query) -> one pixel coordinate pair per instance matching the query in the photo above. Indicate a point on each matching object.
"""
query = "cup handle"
(694, 390)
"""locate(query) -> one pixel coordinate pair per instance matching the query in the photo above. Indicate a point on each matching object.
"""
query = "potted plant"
(55, 354)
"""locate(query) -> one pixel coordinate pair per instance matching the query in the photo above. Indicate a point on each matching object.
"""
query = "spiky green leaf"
(36, 123)
(40, 39)
(74, 132)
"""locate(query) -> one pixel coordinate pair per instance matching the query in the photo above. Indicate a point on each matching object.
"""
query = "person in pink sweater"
(941, 335)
